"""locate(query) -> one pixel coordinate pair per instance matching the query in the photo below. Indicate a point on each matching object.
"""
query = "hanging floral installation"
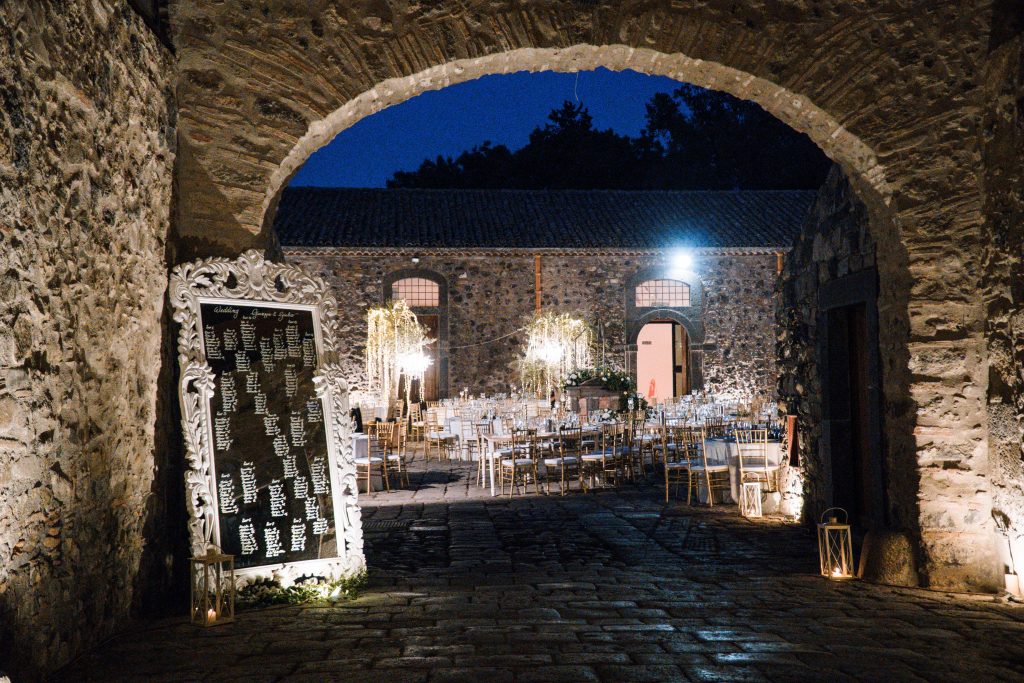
(395, 343)
(556, 344)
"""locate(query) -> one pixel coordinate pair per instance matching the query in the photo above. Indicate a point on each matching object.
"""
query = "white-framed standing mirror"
(270, 475)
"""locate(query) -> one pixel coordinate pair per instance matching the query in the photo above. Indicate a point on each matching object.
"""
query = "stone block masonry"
(491, 296)
(86, 154)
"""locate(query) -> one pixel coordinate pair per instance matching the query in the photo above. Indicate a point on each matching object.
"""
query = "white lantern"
(750, 499)
(835, 545)
(213, 588)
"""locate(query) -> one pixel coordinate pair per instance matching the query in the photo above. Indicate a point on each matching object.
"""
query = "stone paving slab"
(614, 586)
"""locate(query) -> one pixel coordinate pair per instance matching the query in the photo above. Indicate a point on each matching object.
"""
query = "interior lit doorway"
(662, 360)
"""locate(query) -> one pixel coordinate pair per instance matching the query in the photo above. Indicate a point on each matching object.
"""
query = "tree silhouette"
(693, 139)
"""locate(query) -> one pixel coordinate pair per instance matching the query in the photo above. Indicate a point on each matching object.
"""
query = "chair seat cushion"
(677, 465)
(710, 468)
(369, 461)
(554, 462)
(593, 456)
(440, 435)
(518, 462)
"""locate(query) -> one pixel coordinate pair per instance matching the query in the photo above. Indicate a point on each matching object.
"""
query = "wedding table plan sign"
(270, 474)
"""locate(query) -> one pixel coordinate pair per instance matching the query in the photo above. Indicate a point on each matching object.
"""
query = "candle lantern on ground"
(213, 588)
(835, 545)
(750, 499)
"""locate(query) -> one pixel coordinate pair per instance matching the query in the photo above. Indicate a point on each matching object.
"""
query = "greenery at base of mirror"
(267, 592)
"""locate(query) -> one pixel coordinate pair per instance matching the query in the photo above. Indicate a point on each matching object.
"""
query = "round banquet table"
(725, 451)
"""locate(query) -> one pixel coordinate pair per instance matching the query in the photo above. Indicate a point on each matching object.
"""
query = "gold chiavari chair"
(396, 452)
(519, 464)
(752, 456)
(604, 464)
(714, 474)
(564, 465)
(438, 440)
(417, 425)
(680, 448)
(375, 462)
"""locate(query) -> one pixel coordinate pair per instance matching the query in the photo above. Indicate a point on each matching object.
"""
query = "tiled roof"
(540, 219)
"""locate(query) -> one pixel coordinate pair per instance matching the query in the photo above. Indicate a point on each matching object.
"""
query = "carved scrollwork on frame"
(251, 279)
(332, 386)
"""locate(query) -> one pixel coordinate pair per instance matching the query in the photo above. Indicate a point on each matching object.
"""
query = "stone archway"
(259, 91)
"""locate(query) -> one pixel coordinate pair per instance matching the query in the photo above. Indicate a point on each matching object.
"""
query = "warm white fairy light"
(556, 345)
(394, 347)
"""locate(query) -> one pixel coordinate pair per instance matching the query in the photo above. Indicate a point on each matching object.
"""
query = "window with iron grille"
(416, 291)
(662, 293)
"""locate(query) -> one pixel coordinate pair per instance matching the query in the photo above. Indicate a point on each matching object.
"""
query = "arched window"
(417, 292)
(662, 293)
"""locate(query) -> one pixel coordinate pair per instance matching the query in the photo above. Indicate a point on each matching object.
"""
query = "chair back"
(714, 426)
(570, 440)
(752, 449)
(611, 438)
(524, 442)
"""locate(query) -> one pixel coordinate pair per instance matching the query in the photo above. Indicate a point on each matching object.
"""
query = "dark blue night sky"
(502, 109)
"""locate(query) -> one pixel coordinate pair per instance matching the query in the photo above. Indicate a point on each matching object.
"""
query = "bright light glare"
(682, 261)
(551, 353)
(414, 363)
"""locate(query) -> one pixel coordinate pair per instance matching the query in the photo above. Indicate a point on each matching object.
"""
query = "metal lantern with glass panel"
(213, 588)
(750, 499)
(835, 545)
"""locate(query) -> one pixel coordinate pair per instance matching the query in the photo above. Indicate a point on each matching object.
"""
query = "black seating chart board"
(271, 469)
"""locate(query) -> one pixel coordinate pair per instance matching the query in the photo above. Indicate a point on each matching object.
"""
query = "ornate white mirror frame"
(252, 280)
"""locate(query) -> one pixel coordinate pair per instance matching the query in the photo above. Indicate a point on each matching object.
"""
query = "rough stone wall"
(86, 140)
(835, 241)
(492, 295)
(1003, 140)
(891, 92)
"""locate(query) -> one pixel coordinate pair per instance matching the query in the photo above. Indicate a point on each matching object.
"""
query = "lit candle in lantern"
(211, 615)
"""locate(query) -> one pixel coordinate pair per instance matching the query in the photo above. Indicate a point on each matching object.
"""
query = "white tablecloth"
(459, 427)
(360, 445)
(722, 451)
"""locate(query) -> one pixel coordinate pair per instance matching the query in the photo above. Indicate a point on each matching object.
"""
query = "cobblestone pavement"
(613, 586)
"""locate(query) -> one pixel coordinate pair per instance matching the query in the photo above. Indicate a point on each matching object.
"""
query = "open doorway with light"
(662, 361)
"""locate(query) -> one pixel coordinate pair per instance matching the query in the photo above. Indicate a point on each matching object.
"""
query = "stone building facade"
(506, 252)
(491, 296)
